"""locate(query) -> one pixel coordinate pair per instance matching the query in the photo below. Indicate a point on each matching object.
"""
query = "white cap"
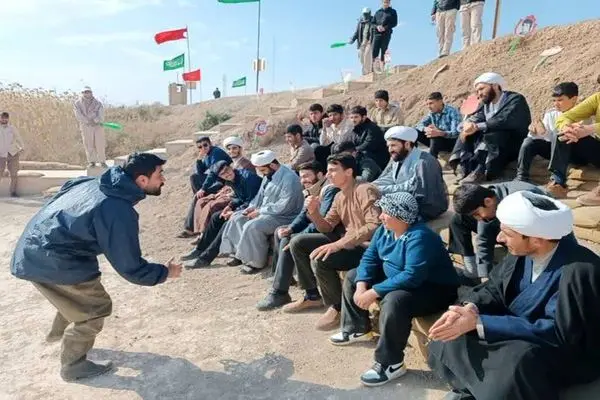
(263, 158)
(366, 10)
(233, 141)
(491, 78)
(405, 133)
(86, 89)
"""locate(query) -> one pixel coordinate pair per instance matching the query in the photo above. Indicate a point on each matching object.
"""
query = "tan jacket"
(335, 133)
(10, 141)
(357, 213)
(301, 154)
(386, 118)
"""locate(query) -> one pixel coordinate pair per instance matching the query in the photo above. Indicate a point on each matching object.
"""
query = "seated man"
(325, 253)
(244, 185)
(367, 137)
(368, 170)
(300, 150)
(335, 128)
(413, 171)
(543, 133)
(211, 203)
(533, 327)
(578, 143)
(492, 136)
(408, 268)
(313, 180)
(385, 115)
(312, 132)
(202, 180)
(279, 200)
(475, 212)
(439, 129)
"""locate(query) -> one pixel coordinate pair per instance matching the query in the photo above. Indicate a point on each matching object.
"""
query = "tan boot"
(328, 321)
(301, 305)
(590, 199)
(557, 191)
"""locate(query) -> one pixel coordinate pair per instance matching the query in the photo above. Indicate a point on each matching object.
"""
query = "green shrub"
(211, 120)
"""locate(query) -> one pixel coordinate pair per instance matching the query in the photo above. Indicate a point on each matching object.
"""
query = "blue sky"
(108, 44)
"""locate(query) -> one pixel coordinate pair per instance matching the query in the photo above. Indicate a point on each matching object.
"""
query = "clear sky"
(108, 44)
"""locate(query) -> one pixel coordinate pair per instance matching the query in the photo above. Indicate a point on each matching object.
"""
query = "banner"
(175, 63)
(239, 82)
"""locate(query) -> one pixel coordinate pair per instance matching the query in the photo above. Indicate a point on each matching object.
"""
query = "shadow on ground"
(153, 376)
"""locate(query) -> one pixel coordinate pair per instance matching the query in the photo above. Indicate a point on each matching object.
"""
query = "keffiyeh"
(400, 205)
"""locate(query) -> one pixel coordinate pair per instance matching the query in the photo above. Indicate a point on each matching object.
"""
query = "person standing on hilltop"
(443, 15)
(217, 93)
(363, 37)
(471, 14)
(11, 145)
(90, 114)
(58, 250)
(385, 20)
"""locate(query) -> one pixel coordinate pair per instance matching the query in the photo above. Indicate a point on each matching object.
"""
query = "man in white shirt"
(90, 114)
(336, 128)
(11, 145)
(542, 133)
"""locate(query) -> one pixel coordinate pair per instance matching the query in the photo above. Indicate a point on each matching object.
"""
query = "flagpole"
(189, 60)
(258, 48)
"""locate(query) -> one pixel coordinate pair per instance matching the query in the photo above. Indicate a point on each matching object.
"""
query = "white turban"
(518, 213)
(405, 133)
(86, 89)
(262, 158)
(491, 78)
(233, 141)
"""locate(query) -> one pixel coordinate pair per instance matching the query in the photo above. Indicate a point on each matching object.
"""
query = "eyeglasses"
(203, 146)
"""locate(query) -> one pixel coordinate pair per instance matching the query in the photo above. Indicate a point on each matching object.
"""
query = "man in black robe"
(492, 136)
(534, 327)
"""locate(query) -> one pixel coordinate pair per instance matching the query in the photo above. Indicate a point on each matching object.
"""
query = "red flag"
(167, 36)
(192, 76)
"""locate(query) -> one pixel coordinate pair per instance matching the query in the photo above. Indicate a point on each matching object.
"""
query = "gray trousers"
(84, 305)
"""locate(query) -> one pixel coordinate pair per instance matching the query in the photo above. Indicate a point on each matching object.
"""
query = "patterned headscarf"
(400, 205)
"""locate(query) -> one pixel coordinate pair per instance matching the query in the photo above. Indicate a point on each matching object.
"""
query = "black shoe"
(474, 177)
(293, 282)
(192, 255)
(13, 194)
(196, 263)
(84, 369)
(460, 173)
(273, 300)
(234, 262)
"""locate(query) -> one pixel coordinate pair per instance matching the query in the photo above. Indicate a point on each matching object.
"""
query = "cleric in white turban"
(491, 137)
(533, 328)
(279, 200)
(234, 146)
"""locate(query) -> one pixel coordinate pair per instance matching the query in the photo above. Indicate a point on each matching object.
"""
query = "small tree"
(211, 120)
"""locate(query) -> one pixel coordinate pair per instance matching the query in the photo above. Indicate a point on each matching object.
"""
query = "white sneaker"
(381, 374)
(345, 338)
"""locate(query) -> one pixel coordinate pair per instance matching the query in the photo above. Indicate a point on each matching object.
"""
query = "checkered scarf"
(400, 205)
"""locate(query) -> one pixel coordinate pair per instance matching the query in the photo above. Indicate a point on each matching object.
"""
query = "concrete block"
(302, 102)
(252, 118)
(34, 183)
(200, 134)
(160, 152)
(355, 85)
(277, 109)
(326, 92)
(225, 126)
(401, 68)
(120, 160)
(176, 147)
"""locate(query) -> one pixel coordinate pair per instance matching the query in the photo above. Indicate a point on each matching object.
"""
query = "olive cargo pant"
(85, 305)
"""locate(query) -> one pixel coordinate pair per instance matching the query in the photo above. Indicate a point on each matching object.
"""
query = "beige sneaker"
(302, 305)
(557, 191)
(590, 199)
(328, 321)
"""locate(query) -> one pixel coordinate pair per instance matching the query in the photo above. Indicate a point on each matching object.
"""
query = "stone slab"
(302, 102)
(277, 109)
(36, 185)
(587, 217)
(176, 147)
(200, 134)
(326, 92)
(252, 118)
(225, 126)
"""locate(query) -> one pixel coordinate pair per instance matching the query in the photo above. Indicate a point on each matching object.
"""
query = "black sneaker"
(381, 374)
(196, 263)
(192, 255)
(234, 262)
(345, 338)
(273, 300)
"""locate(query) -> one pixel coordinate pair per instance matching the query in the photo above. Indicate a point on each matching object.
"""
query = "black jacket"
(360, 27)
(513, 117)
(445, 5)
(312, 134)
(388, 18)
(368, 139)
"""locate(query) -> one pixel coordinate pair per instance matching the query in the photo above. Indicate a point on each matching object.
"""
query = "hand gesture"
(253, 214)
(365, 300)
(174, 269)
(284, 231)
(312, 204)
(433, 132)
(323, 252)
(226, 213)
(200, 194)
(454, 323)
(537, 128)
(469, 128)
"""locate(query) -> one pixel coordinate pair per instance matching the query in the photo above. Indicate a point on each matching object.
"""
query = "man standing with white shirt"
(11, 145)
(90, 114)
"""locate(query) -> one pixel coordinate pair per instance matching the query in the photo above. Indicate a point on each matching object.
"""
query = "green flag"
(239, 82)
(175, 63)
(237, 1)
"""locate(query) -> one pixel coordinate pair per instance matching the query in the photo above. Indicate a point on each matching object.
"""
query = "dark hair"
(569, 89)
(346, 161)
(540, 202)
(315, 107)
(294, 129)
(345, 147)
(383, 95)
(435, 96)
(469, 196)
(202, 139)
(360, 110)
(4, 115)
(314, 166)
(138, 164)
(335, 108)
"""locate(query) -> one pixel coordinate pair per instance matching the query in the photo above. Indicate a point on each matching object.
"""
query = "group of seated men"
(527, 331)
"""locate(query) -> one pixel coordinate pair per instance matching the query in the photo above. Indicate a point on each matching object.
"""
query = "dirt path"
(196, 338)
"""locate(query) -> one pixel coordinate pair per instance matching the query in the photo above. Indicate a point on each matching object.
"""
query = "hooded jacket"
(363, 23)
(369, 140)
(245, 185)
(86, 218)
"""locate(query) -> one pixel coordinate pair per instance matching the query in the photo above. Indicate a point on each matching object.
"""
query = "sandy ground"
(199, 337)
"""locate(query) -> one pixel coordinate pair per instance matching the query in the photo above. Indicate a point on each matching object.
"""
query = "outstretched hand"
(454, 323)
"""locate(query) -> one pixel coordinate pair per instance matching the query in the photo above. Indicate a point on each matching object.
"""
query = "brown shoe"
(302, 305)
(474, 177)
(590, 199)
(557, 191)
(328, 321)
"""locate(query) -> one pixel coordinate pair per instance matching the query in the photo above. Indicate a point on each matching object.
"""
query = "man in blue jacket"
(409, 269)
(58, 252)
